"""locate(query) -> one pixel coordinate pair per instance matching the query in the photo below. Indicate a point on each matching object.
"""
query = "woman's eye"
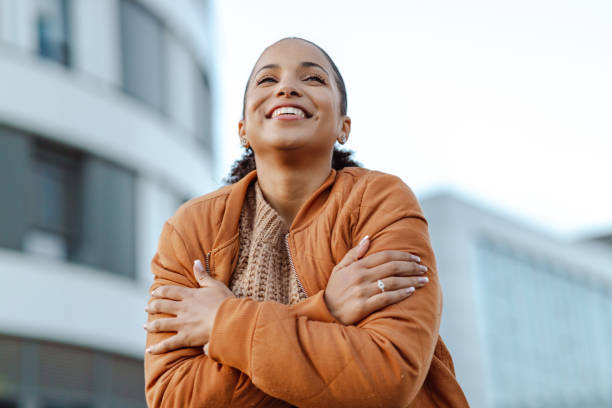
(315, 78)
(265, 79)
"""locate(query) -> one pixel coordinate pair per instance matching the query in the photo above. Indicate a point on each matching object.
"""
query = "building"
(105, 128)
(527, 318)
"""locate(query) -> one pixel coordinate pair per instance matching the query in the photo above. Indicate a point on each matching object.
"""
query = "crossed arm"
(382, 361)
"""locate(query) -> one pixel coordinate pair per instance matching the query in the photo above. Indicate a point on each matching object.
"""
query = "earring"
(244, 142)
(342, 138)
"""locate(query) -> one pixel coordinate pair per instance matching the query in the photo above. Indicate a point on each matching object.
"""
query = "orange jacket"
(267, 354)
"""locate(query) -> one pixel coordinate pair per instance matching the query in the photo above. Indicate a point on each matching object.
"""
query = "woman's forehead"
(291, 52)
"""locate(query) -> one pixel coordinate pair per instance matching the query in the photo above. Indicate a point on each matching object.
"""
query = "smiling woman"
(307, 293)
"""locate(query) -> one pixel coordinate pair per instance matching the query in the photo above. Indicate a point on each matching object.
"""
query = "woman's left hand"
(194, 310)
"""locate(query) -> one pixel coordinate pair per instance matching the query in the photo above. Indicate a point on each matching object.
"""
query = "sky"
(506, 104)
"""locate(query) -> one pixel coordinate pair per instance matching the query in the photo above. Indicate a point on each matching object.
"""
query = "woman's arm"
(186, 377)
(383, 361)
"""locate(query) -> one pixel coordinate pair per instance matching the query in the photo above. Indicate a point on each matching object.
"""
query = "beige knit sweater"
(264, 270)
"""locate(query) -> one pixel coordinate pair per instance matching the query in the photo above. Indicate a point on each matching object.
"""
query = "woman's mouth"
(288, 113)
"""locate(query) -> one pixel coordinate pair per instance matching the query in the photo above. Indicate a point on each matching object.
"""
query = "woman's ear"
(345, 126)
(244, 142)
(241, 128)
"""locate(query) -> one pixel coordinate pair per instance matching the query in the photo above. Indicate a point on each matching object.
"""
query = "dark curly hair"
(340, 158)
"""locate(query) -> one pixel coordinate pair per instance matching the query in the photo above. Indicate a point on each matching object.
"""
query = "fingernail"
(410, 290)
(416, 258)
(364, 240)
(148, 350)
(198, 264)
(422, 267)
(144, 326)
(423, 279)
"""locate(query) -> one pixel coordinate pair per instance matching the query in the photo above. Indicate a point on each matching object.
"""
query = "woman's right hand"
(352, 291)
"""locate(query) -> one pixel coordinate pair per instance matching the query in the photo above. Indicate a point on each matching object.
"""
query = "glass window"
(127, 378)
(53, 29)
(14, 177)
(107, 227)
(54, 205)
(62, 375)
(80, 208)
(142, 54)
(546, 332)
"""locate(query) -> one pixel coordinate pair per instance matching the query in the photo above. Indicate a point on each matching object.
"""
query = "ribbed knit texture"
(264, 269)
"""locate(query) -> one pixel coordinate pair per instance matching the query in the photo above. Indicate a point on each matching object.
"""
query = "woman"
(322, 263)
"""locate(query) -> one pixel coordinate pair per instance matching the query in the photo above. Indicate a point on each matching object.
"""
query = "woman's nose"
(287, 90)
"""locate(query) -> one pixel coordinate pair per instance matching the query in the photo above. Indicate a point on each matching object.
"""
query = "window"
(548, 335)
(66, 204)
(65, 376)
(10, 372)
(14, 178)
(53, 28)
(107, 227)
(54, 204)
(142, 54)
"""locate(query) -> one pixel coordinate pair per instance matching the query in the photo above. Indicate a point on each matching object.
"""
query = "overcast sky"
(509, 104)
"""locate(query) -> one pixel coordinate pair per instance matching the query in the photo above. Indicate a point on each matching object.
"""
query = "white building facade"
(527, 318)
(105, 128)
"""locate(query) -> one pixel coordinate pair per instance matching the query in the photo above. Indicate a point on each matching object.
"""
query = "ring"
(381, 285)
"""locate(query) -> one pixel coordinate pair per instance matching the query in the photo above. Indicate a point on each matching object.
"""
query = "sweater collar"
(229, 227)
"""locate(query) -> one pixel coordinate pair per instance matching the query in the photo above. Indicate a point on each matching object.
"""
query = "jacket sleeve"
(187, 377)
(381, 362)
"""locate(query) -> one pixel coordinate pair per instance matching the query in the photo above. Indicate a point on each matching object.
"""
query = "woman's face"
(292, 102)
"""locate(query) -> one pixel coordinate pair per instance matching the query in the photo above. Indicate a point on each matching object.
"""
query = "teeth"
(288, 110)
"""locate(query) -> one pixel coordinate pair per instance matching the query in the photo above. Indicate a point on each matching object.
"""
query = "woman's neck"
(287, 188)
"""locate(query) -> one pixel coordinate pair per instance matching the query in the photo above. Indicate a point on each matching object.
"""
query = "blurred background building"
(105, 128)
(527, 318)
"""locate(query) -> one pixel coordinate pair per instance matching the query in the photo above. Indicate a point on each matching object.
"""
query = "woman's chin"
(288, 142)
(291, 141)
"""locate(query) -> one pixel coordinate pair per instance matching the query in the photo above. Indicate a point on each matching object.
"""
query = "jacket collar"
(228, 230)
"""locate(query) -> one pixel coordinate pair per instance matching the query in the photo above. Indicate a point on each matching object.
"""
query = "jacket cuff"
(315, 308)
(232, 333)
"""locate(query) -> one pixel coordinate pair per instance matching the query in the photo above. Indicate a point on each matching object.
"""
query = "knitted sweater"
(264, 270)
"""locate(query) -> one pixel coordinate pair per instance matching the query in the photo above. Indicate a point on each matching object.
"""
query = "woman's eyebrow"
(303, 64)
(313, 64)
(266, 67)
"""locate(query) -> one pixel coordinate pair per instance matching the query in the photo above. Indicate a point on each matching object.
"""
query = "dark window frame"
(50, 48)
(69, 162)
(90, 205)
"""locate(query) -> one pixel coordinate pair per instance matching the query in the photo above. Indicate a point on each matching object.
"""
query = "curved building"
(527, 316)
(105, 128)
